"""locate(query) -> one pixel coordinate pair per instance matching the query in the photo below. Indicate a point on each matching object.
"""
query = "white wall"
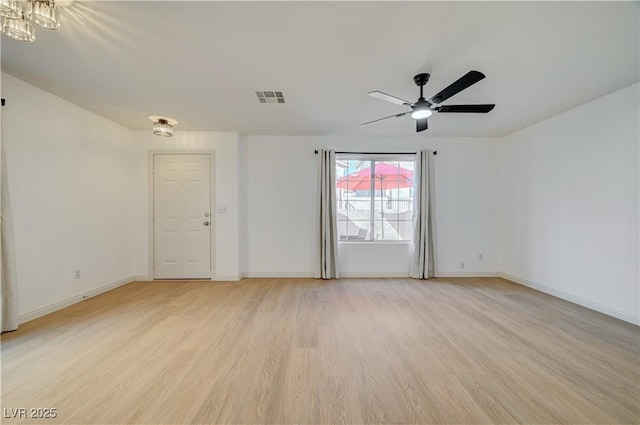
(70, 177)
(80, 195)
(570, 204)
(554, 206)
(226, 226)
(280, 183)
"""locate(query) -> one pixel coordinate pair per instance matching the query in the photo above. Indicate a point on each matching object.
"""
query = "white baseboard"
(26, 317)
(218, 278)
(365, 274)
(227, 278)
(631, 318)
(373, 274)
(467, 274)
(300, 275)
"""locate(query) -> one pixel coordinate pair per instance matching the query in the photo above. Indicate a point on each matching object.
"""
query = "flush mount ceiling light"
(162, 126)
(18, 18)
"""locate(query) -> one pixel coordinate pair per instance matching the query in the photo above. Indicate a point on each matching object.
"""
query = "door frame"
(150, 215)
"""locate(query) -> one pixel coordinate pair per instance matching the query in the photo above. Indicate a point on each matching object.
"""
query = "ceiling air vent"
(270, 96)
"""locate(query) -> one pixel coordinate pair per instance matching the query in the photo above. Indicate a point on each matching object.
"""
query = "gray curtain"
(8, 283)
(424, 261)
(328, 264)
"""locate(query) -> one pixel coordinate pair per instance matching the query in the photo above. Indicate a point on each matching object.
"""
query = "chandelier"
(19, 17)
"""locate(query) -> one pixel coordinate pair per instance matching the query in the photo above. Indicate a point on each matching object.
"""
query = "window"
(374, 197)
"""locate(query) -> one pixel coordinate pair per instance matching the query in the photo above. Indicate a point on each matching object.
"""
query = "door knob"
(206, 223)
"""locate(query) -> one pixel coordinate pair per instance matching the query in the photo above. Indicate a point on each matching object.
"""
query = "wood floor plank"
(305, 351)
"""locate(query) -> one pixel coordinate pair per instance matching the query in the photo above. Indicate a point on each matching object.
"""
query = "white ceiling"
(199, 62)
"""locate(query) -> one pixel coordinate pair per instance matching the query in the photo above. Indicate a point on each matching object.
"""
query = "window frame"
(379, 157)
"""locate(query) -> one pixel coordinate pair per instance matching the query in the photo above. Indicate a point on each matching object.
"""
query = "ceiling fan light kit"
(420, 112)
(423, 108)
(18, 18)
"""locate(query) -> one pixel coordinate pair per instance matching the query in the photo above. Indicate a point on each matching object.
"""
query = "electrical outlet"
(462, 265)
(480, 257)
(76, 273)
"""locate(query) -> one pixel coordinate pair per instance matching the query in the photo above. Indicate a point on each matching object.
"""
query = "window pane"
(385, 185)
(393, 208)
(353, 187)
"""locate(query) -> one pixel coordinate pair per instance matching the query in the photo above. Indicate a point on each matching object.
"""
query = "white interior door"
(182, 216)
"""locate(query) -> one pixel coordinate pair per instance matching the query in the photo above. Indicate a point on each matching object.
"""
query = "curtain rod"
(376, 153)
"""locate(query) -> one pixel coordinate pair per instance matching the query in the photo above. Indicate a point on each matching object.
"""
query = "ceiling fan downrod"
(421, 80)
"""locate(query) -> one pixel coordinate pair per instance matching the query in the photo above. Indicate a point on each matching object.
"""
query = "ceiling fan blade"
(466, 108)
(469, 79)
(383, 96)
(421, 125)
(380, 119)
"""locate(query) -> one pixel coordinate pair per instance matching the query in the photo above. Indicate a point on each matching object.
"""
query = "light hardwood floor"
(276, 351)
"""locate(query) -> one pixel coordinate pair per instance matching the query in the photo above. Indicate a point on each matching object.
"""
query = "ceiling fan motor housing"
(421, 79)
(421, 104)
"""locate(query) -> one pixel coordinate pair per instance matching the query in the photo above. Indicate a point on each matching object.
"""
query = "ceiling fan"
(423, 108)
